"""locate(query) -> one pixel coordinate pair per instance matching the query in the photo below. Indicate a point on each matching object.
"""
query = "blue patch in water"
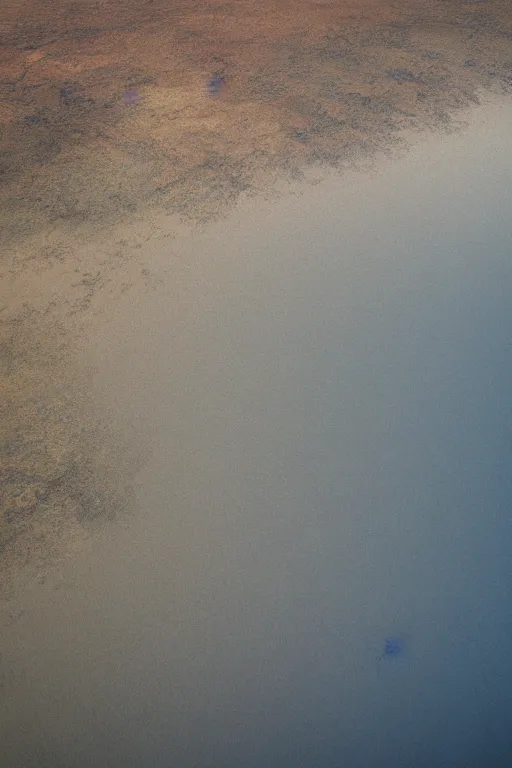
(393, 646)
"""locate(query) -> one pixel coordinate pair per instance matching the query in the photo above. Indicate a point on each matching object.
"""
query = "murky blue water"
(323, 385)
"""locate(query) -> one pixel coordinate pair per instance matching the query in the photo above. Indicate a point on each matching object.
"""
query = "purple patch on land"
(215, 85)
(131, 96)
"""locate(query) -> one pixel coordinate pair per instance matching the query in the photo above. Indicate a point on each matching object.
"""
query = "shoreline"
(89, 190)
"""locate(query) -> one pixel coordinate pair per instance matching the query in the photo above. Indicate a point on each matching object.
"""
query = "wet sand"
(91, 177)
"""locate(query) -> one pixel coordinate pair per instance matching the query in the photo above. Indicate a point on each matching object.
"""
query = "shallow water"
(321, 383)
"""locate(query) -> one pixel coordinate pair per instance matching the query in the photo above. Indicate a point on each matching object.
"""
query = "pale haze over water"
(321, 383)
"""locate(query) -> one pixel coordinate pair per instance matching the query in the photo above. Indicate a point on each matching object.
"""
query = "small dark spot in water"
(393, 646)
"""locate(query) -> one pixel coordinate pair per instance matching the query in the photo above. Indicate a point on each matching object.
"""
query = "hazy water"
(323, 385)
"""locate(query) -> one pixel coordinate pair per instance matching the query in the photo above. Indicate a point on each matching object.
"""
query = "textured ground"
(106, 122)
